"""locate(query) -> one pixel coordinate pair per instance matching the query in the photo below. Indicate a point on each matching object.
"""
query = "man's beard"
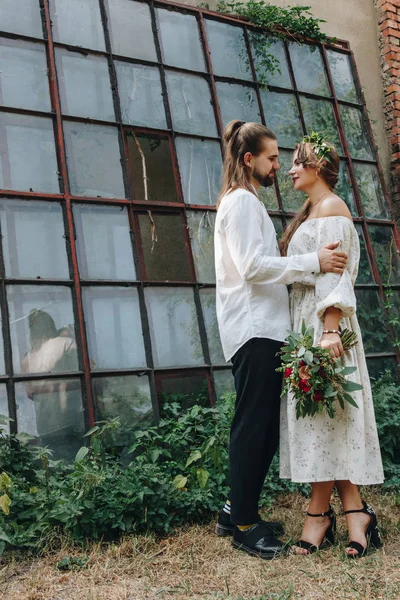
(264, 180)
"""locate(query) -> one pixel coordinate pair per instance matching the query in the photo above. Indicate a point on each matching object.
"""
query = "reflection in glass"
(207, 297)
(78, 23)
(27, 154)
(103, 242)
(309, 69)
(51, 410)
(364, 268)
(4, 408)
(292, 200)
(186, 390)
(370, 189)
(373, 323)
(25, 19)
(174, 328)
(282, 117)
(201, 231)
(319, 116)
(386, 254)
(278, 227)
(127, 398)
(224, 383)
(344, 190)
(269, 60)
(141, 95)
(130, 29)
(84, 85)
(237, 102)
(190, 102)
(267, 195)
(378, 366)
(113, 327)
(356, 131)
(151, 168)
(24, 81)
(42, 329)
(165, 258)
(33, 239)
(228, 50)
(180, 40)
(342, 76)
(200, 167)
(94, 160)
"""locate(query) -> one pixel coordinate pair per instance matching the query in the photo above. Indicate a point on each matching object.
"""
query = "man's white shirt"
(251, 276)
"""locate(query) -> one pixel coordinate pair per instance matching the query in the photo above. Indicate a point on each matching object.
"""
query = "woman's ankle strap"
(328, 513)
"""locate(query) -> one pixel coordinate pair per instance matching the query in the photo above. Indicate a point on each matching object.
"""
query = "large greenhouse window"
(111, 115)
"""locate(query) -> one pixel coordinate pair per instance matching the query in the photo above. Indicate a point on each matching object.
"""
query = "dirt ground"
(196, 564)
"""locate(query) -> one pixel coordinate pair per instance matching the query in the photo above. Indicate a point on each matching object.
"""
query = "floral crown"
(320, 147)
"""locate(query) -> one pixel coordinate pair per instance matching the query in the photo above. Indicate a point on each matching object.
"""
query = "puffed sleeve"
(332, 289)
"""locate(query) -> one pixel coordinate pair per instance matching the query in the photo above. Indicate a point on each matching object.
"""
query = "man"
(253, 318)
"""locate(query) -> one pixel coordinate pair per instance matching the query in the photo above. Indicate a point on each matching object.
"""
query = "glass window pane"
(51, 410)
(24, 81)
(25, 19)
(228, 50)
(237, 102)
(180, 40)
(186, 390)
(78, 23)
(201, 230)
(319, 116)
(128, 398)
(371, 193)
(364, 268)
(269, 60)
(342, 76)
(386, 254)
(151, 168)
(200, 167)
(141, 95)
(33, 239)
(356, 131)
(103, 242)
(2, 363)
(344, 190)
(224, 383)
(174, 327)
(113, 328)
(42, 329)
(4, 408)
(292, 200)
(190, 102)
(165, 258)
(27, 154)
(130, 29)
(309, 69)
(373, 323)
(278, 226)
(84, 85)
(378, 366)
(94, 160)
(282, 116)
(267, 195)
(207, 297)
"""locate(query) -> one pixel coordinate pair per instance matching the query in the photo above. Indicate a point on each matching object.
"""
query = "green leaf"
(180, 482)
(5, 481)
(154, 454)
(81, 454)
(5, 503)
(340, 399)
(350, 400)
(194, 456)
(301, 351)
(202, 476)
(4, 537)
(352, 386)
(308, 357)
(92, 431)
(348, 370)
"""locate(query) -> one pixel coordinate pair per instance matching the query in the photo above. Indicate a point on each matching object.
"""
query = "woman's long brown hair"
(238, 139)
(327, 169)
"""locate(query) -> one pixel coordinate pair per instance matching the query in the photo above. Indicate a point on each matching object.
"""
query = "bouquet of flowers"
(316, 379)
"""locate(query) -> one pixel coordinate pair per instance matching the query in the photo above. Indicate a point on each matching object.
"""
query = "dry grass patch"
(195, 564)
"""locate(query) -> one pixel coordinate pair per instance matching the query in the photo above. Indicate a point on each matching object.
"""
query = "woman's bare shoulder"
(333, 206)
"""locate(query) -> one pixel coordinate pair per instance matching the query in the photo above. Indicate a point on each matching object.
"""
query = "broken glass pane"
(269, 60)
(342, 76)
(319, 116)
(77, 23)
(207, 297)
(190, 102)
(237, 102)
(357, 135)
(201, 231)
(180, 40)
(130, 29)
(200, 166)
(309, 69)
(370, 189)
(228, 50)
(282, 117)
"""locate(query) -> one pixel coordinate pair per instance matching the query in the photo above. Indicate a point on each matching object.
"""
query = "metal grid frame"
(136, 206)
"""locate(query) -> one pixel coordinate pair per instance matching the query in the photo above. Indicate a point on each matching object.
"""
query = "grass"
(197, 565)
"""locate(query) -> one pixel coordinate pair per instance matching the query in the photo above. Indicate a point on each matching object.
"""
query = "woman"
(344, 451)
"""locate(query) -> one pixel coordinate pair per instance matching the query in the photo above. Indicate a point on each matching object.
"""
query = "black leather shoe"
(258, 541)
(224, 527)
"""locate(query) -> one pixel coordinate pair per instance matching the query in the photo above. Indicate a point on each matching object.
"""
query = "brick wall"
(389, 25)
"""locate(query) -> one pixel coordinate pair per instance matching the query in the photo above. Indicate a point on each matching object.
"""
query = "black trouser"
(255, 428)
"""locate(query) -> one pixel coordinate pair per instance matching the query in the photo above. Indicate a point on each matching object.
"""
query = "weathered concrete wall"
(356, 22)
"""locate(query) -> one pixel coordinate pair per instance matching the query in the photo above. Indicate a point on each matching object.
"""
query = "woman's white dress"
(347, 446)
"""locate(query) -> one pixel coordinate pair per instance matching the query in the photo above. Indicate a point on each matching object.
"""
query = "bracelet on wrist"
(332, 331)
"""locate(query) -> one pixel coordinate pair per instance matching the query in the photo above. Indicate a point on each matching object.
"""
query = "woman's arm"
(332, 341)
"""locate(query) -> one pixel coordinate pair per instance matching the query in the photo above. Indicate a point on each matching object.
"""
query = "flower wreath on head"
(320, 147)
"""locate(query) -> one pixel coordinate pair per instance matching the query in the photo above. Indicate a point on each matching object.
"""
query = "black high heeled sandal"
(372, 533)
(329, 534)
